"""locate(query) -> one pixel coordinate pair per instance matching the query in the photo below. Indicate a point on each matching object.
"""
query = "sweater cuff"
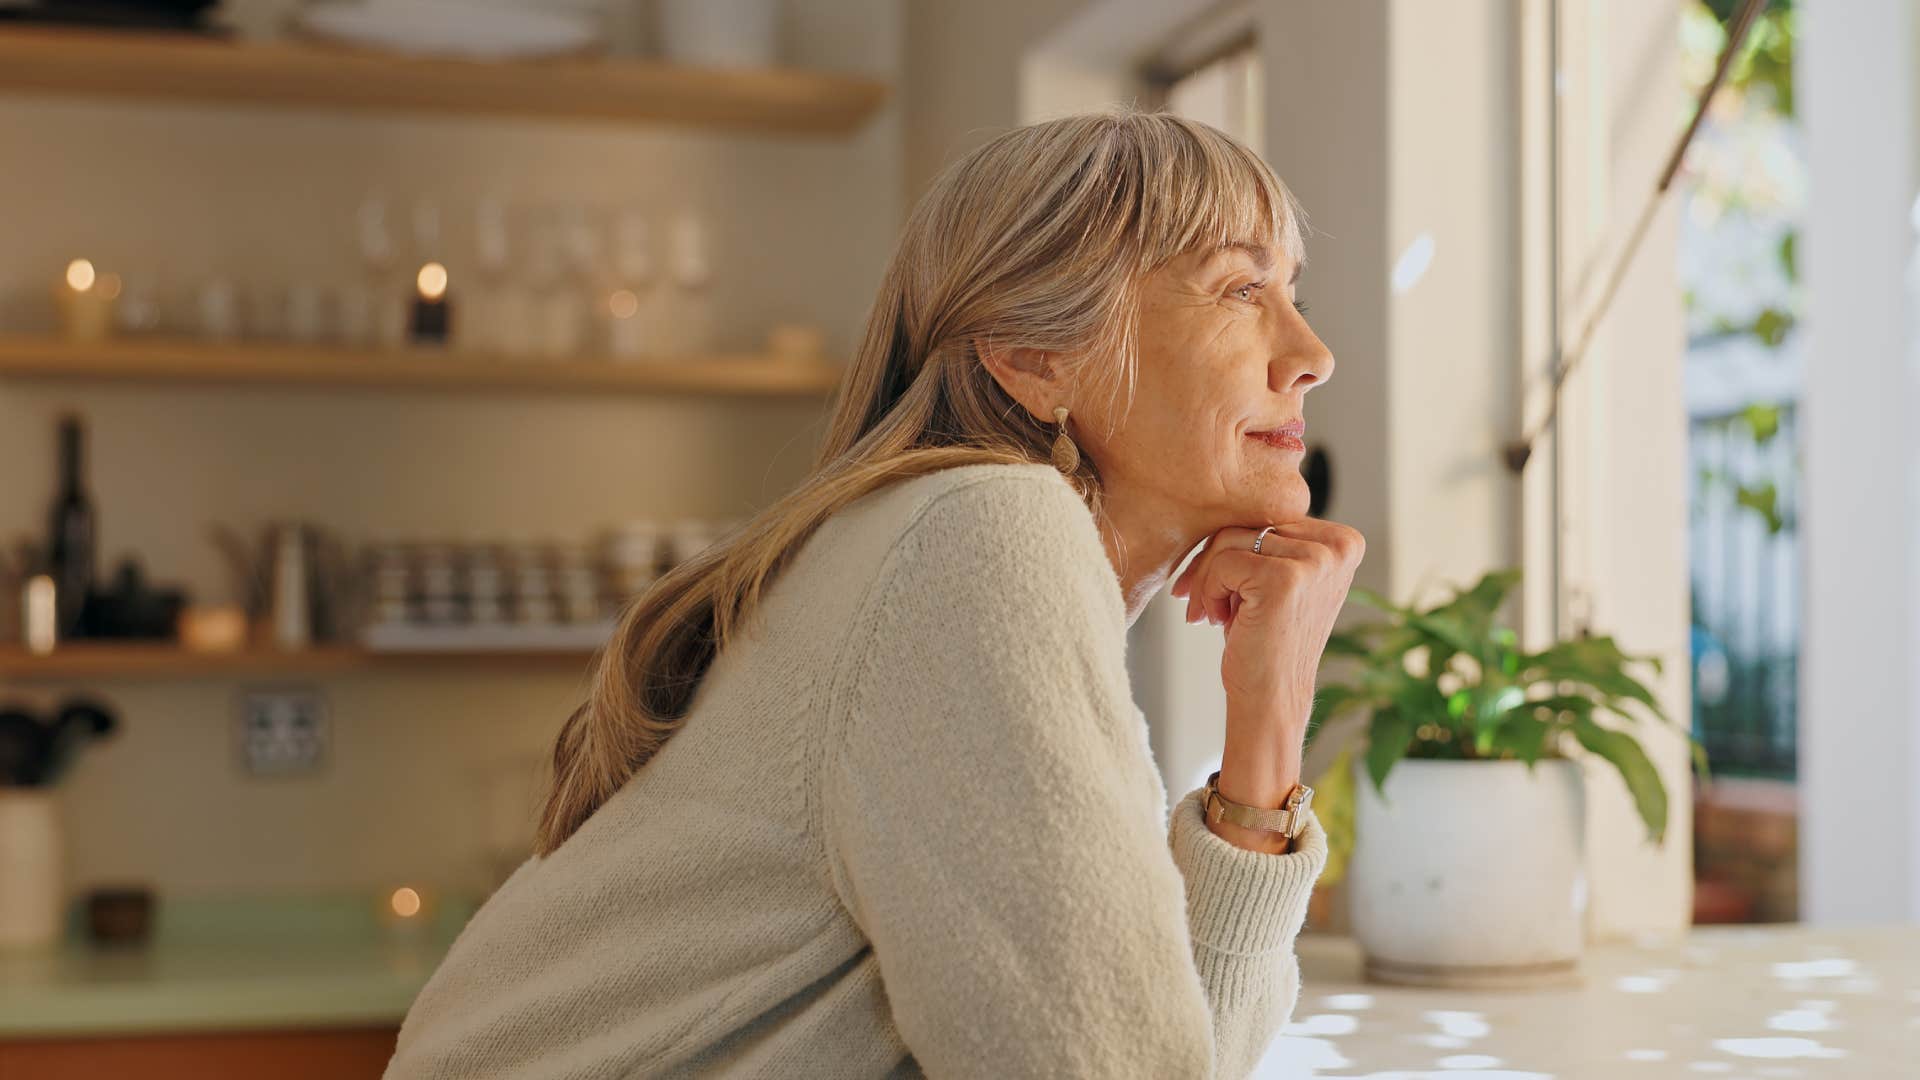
(1241, 901)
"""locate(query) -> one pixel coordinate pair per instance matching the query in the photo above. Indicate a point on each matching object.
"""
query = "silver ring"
(1262, 536)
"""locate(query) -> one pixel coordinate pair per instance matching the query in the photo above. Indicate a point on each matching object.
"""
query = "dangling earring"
(1066, 456)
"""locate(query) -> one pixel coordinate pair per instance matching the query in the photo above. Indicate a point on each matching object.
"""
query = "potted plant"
(1467, 866)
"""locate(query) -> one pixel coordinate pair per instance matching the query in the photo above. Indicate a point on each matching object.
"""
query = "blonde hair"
(1039, 240)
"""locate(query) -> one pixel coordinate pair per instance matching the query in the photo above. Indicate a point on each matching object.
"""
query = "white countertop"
(1772, 1003)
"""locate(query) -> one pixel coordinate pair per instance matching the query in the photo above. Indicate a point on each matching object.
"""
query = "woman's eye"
(1254, 286)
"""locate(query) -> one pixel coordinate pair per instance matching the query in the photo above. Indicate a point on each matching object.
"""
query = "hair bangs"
(1208, 191)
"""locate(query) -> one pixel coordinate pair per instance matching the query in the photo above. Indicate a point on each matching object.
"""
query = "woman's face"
(1215, 433)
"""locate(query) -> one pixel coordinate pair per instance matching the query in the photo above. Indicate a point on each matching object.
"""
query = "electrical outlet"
(282, 731)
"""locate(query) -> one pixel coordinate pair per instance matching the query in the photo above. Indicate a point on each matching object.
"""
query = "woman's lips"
(1288, 436)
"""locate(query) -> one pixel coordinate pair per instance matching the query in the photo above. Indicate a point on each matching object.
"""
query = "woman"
(861, 791)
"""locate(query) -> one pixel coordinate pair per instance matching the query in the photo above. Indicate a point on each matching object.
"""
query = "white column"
(1624, 508)
(1401, 126)
(1860, 660)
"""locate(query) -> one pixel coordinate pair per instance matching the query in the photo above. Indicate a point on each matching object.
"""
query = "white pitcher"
(31, 887)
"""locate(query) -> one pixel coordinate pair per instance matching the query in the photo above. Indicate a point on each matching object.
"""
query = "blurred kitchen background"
(358, 358)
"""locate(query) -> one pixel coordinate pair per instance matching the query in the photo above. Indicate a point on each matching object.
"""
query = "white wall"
(801, 230)
(1860, 667)
(963, 76)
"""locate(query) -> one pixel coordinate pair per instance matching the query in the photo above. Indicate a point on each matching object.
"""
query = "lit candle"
(624, 330)
(407, 912)
(86, 298)
(432, 321)
(39, 614)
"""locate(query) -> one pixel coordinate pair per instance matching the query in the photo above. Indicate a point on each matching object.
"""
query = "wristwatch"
(1288, 821)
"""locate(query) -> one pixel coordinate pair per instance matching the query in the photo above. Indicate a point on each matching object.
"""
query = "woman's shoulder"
(1011, 528)
(985, 487)
(990, 504)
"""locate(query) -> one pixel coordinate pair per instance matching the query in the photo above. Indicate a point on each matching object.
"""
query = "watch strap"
(1287, 820)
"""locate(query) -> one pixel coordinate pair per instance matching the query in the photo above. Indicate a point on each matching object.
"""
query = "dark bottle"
(70, 535)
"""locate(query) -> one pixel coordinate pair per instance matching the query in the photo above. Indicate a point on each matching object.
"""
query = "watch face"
(1297, 824)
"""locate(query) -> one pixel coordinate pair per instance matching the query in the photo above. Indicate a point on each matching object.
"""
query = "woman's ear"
(1027, 375)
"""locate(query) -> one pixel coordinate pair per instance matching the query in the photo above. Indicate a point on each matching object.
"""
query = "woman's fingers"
(1198, 606)
(1185, 579)
(1344, 542)
(1234, 574)
(1307, 539)
(1278, 605)
(1232, 535)
(1209, 596)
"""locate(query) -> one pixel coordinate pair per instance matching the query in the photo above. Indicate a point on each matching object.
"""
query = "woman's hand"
(1278, 608)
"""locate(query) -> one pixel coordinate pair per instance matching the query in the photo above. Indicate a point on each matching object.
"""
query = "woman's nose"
(1304, 363)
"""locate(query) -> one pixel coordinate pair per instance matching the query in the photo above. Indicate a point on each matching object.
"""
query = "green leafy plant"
(1450, 682)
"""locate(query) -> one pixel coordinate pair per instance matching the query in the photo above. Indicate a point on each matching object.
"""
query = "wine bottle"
(70, 535)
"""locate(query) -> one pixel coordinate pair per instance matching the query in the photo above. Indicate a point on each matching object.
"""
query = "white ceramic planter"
(30, 869)
(1470, 873)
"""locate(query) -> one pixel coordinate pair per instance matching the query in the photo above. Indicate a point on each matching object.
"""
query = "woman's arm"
(996, 825)
(1278, 604)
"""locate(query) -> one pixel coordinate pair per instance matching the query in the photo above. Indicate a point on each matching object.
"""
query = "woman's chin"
(1288, 503)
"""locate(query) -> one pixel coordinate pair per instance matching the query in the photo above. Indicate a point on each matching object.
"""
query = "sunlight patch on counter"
(1323, 1025)
(1802, 1019)
(1777, 1047)
(1834, 967)
(1460, 1025)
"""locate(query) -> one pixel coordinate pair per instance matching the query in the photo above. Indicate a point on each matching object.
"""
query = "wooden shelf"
(88, 661)
(144, 360)
(151, 67)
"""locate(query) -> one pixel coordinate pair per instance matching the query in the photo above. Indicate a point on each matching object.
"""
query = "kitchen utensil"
(287, 608)
(77, 722)
(247, 569)
(295, 574)
(23, 741)
(131, 608)
(35, 753)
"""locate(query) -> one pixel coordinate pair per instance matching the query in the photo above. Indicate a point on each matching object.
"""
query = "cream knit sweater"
(912, 827)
